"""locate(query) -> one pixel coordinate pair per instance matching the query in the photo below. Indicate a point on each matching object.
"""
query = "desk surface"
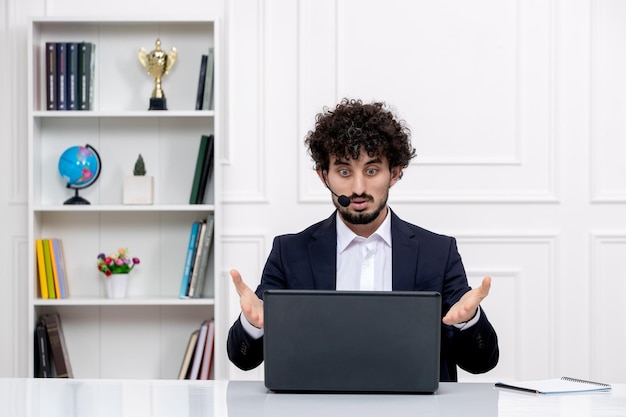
(166, 398)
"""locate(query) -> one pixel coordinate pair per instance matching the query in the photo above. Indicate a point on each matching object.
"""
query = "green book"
(49, 274)
(195, 187)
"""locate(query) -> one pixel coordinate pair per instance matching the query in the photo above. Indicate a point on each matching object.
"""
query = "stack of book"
(69, 71)
(198, 358)
(51, 354)
(204, 96)
(197, 259)
(51, 268)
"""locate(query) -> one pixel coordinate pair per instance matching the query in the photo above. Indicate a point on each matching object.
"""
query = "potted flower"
(116, 268)
(139, 188)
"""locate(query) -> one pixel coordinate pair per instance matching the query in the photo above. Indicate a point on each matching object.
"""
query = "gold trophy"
(157, 63)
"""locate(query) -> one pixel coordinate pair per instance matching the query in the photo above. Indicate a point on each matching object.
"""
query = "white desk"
(168, 398)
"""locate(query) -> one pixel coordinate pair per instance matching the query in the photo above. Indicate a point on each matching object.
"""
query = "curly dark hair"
(352, 125)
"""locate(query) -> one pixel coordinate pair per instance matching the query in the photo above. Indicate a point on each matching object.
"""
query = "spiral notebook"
(563, 385)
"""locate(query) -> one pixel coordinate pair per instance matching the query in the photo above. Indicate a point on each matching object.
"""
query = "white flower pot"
(139, 190)
(115, 285)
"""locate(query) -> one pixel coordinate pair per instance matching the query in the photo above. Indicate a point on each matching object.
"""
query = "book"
(58, 346)
(207, 169)
(41, 269)
(72, 76)
(199, 351)
(196, 259)
(207, 356)
(195, 186)
(207, 100)
(85, 73)
(43, 368)
(49, 274)
(201, 81)
(191, 346)
(196, 290)
(51, 76)
(61, 76)
(563, 385)
(55, 270)
(191, 247)
(59, 261)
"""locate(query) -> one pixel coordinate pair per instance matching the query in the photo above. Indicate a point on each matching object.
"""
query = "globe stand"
(76, 199)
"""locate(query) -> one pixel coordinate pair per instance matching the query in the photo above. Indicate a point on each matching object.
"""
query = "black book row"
(70, 68)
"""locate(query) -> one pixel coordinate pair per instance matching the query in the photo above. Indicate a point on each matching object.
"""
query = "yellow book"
(55, 268)
(41, 268)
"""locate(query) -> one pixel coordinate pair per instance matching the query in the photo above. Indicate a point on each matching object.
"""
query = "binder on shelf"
(86, 68)
(59, 260)
(196, 259)
(55, 270)
(61, 76)
(51, 76)
(72, 76)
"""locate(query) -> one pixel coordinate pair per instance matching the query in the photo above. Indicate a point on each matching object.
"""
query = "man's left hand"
(465, 309)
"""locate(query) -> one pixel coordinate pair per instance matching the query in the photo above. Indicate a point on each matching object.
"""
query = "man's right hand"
(251, 305)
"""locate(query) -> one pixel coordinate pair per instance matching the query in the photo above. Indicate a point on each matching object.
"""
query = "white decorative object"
(139, 190)
(115, 285)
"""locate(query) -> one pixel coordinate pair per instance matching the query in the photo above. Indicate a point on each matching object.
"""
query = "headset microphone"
(344, 201)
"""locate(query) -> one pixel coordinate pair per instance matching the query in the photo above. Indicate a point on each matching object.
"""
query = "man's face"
(366, 181)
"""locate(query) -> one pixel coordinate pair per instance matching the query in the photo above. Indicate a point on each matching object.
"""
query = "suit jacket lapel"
(323, 255)
(403, 255)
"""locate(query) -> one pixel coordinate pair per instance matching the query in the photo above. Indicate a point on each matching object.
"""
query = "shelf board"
(128, 301)
(122, 208)
(123, 114)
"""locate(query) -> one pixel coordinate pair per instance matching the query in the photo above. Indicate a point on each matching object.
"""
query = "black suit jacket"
(421, 261)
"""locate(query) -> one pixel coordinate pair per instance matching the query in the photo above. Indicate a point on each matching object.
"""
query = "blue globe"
(79, 167)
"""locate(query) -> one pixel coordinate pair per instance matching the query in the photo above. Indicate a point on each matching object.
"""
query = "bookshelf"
(145, 334)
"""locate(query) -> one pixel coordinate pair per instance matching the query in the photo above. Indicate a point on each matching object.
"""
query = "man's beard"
(361, 217)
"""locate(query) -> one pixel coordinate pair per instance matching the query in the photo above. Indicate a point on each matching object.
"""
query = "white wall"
(517, 112)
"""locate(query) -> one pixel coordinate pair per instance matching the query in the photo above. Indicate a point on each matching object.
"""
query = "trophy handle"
(143, 57)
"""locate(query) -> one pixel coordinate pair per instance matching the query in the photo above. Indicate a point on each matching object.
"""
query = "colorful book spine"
(41, 268)
(49, 273)
(198, 288)
(55, 271)
(60, 267)
(193, 236)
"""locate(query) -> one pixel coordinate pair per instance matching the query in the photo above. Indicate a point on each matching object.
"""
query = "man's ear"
(396, 174)
(321, 174)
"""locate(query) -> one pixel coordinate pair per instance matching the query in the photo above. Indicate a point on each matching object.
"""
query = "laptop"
(352, 341)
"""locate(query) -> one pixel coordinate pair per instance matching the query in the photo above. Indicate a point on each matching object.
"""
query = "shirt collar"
(345, 236)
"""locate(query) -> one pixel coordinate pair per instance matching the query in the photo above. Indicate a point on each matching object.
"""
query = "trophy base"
(158, 104)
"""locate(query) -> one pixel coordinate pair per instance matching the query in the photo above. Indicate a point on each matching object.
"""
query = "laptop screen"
(352, 341)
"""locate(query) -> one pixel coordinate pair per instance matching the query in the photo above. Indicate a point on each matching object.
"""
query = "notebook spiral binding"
(583, 381)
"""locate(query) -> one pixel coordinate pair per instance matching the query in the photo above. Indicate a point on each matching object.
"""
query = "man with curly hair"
(360, 151)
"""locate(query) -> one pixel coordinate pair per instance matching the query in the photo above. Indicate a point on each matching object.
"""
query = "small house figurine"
(139, 188)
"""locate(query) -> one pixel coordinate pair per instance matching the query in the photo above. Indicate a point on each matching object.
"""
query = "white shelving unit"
(144, 335)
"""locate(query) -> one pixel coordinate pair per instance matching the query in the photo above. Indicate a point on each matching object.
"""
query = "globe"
(79, 167)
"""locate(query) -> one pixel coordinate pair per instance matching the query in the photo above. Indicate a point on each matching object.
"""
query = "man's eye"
(372, 171)
(344, 172)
